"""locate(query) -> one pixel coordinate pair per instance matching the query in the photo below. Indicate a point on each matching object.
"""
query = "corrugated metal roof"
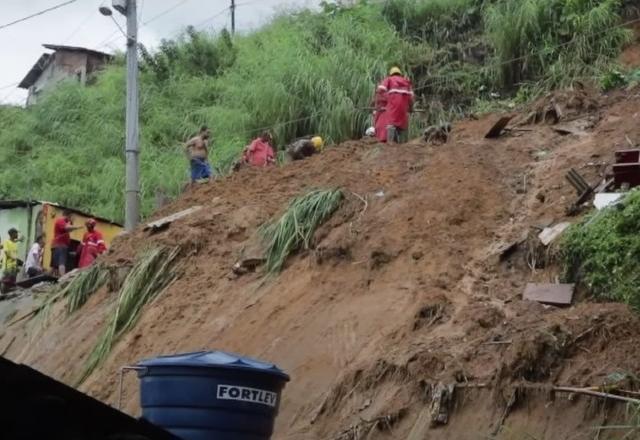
(10, 204)
(35, 71)
(57, 47)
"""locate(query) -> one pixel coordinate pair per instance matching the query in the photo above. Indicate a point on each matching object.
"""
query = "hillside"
(400, 293)
(304, 72)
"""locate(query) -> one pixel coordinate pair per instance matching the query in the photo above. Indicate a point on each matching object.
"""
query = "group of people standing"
(90, 248)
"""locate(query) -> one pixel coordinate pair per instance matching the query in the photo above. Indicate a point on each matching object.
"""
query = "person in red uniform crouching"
(260, 152)
(395, 92)
(92, 245)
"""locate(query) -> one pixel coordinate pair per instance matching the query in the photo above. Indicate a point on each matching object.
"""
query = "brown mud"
(404, 290)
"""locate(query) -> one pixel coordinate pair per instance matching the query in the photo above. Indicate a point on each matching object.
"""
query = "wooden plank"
(166, 221)
(421, 426)
(549, 234)
(554, 294)
(30, 282)
(498, 127)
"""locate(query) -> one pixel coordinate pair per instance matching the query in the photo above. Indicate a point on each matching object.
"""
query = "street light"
(132, 199)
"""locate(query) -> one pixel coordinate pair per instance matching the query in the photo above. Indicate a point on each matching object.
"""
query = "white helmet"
(371, 131)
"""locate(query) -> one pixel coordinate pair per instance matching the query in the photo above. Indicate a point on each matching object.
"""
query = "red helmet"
(91, 223)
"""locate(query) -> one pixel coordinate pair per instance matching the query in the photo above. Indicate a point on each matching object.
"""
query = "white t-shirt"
(33, 259)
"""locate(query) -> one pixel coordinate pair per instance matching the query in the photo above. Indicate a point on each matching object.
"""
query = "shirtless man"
(197, 149)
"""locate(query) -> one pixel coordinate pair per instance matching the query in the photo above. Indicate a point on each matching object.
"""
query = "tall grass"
(304, 72)
(295, 228)
(553, 40)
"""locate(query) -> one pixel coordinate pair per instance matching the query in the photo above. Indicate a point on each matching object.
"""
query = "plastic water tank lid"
(214, 359)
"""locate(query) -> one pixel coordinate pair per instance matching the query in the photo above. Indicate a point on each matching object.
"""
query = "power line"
(10, 85)
(213, 17)
(82, 23)
(44, 11)
(165, 12)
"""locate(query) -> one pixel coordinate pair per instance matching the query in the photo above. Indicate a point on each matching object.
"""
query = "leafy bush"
(603, 252)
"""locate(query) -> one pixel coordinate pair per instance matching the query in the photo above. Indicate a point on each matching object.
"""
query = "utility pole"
(132, 204)
(232, 8)
(131, 149)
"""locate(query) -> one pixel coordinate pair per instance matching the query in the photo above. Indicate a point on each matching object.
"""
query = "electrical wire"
(44, 11)
(213, 17)
(82, 23)
(165, 12)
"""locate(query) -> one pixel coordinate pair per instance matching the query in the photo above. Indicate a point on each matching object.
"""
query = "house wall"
(62, 65)
(16, 218)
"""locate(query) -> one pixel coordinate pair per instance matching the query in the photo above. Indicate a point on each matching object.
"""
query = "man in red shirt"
(61, 241)
(92, 245)
(260, 152)
(399, 102)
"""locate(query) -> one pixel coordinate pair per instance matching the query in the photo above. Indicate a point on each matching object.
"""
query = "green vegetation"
(603, 252)
(553, 40)
(151, 273)
(305, 72)
(619, 78)
(295, 228)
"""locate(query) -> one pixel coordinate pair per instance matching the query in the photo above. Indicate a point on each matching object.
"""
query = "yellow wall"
(52, 212)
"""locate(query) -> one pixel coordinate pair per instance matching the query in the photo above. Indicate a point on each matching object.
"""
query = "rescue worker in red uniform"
(398, 92)
(379, 119)
(260, 152)
(92, 245)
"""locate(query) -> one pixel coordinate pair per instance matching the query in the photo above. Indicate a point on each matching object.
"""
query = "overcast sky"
(80, 24)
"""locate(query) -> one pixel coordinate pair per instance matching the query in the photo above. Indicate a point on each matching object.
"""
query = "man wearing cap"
(92, 245)
(396, 93)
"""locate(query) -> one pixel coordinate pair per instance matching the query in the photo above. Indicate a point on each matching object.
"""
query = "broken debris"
(548, 235)
(497, 128)
(551, 294)
(166, 221)
(604, 200)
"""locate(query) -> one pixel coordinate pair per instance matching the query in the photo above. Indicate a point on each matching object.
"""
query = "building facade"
(65, 63)
(32, 219)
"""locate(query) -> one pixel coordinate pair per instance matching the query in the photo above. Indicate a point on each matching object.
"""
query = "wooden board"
(166, 221)
(30, 282)
(554, 294)
(549, 234)
(497, 128)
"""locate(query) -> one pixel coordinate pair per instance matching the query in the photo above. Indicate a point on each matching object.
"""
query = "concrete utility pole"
(132, 207)
(131, 150)
(232, 8)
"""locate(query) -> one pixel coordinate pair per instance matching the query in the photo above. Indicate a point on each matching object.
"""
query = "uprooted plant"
(77, 292)
(295, 228)
(151, 273)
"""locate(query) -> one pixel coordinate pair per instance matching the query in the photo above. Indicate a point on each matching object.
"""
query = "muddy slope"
(404, 289)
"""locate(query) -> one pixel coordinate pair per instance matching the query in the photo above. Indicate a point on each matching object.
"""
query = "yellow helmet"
(317, 142)
(395, 70)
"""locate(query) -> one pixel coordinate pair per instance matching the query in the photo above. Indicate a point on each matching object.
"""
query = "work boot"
(392, 134)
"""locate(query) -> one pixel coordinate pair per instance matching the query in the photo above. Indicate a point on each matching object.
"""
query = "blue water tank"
(211, 395)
